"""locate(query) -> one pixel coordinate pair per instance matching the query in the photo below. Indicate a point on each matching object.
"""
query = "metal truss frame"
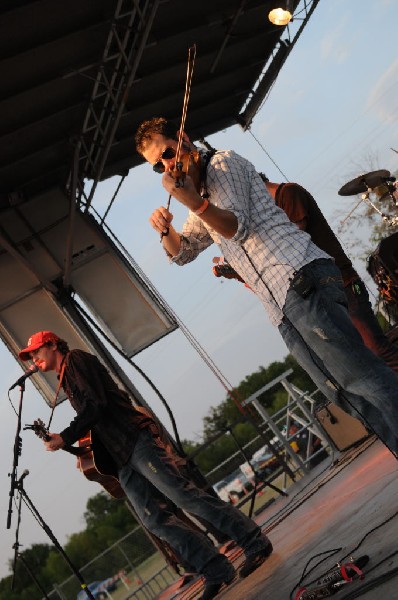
(113, 78)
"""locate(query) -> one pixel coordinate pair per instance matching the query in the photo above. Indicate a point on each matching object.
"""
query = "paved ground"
(344, 509)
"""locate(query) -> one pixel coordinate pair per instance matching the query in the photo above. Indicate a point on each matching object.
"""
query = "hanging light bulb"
(282, 15)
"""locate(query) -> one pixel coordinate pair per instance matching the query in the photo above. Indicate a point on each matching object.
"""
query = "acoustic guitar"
(93, 459)
(225, 270)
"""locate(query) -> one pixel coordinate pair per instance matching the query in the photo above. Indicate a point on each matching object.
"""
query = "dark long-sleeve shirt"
(101, 407)
(300, 205)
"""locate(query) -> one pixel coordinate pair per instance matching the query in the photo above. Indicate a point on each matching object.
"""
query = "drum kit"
(366, 184)
(382, 264)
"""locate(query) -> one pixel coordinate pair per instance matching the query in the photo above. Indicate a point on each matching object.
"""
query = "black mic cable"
(32, 370)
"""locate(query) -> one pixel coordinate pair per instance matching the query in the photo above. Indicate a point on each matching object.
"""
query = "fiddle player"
(143, 466)
(297, 282)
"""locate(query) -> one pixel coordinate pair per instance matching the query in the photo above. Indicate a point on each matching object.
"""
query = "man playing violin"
(143, 465)
(298, 283)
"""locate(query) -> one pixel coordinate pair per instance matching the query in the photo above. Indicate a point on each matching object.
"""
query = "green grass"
(143, 573)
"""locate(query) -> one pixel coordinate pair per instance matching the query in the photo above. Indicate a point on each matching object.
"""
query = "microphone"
(33, 369)
(25, 473)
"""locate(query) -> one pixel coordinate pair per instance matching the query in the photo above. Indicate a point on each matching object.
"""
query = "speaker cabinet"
(344, 430)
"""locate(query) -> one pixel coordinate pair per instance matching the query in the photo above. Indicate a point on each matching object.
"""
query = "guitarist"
(142, 465)
(302, 210)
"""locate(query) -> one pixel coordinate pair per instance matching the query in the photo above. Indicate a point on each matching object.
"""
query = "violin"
(182, 165)
(183, 158)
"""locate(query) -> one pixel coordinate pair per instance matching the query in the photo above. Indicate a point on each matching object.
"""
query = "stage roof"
(78, 76)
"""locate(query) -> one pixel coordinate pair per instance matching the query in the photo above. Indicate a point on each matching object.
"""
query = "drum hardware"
(365, 184)
(391, 221)
(382, 265)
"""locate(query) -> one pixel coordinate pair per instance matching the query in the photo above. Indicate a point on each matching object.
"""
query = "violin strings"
(190, 67)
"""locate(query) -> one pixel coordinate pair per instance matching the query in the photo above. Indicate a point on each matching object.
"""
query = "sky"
(331, 115)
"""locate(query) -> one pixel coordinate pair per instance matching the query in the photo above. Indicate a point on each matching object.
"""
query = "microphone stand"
(19, 556)
(17, 453)
(16, 545)
(46, 528)
(248, 460)
(29, 570)
(273, 487)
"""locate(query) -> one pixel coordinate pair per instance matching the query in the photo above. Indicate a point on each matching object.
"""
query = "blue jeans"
(150, 470)
(319, 333)
(365, 321)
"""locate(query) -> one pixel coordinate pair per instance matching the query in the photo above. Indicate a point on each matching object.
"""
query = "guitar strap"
(278, 191)
(205, 159)
(61, 376)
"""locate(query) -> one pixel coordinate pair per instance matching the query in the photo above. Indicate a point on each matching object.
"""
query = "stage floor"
(348, 508)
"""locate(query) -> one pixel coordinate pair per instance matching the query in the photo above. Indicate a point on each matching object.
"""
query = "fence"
(133, 561)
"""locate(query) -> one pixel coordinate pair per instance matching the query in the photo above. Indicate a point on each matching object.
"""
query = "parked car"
(97, 588)
(265, 464)
(277, 445)
(233, 487)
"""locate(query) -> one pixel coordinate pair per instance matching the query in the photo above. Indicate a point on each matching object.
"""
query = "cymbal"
(361, 183)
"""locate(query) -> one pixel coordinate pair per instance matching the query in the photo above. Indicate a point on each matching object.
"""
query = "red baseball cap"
(37, 340)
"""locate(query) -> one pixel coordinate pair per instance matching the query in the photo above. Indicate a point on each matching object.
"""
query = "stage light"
(283, 14)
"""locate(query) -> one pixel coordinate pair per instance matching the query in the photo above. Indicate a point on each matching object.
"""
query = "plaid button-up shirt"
(267, 249)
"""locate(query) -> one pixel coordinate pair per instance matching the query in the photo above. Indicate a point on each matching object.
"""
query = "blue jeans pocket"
(303, 284)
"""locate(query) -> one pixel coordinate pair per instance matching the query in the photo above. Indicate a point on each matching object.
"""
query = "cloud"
(334, 45)
(382, 98)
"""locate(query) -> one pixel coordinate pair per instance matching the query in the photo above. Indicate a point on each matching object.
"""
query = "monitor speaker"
(344, 430)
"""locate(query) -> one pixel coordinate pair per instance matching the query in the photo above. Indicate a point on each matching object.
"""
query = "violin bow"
(178, 164)
(188, 83)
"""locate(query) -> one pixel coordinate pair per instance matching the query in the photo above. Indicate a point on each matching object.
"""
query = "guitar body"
(97, 465)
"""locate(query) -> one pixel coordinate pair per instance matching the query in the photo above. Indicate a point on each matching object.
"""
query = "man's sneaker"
(211, 589)
(255, 560)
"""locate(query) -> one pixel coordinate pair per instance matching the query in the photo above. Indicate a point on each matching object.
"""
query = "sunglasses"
(158, 167)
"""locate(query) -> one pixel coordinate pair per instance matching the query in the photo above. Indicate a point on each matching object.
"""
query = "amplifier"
(343, 429)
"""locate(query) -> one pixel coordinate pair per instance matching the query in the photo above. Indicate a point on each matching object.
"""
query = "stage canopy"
(78, 76)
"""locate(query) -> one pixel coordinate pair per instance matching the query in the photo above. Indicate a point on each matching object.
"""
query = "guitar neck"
(42, 432)
(225, 270)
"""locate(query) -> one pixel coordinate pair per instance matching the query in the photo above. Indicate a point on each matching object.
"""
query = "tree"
(107, 520)
(227, 411)
(24, 587)
(103, 508)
